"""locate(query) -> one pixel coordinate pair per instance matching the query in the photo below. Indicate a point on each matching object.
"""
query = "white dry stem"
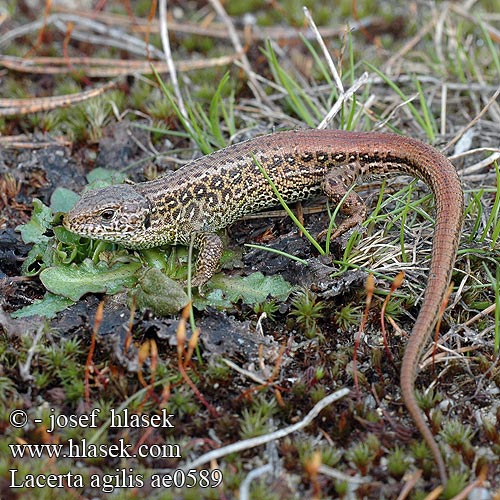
(170, 62)
(246, 444)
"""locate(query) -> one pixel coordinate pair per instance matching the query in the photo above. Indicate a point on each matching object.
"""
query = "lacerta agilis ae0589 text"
(214, 191)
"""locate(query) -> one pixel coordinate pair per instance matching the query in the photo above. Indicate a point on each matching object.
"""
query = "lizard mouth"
(66, 222)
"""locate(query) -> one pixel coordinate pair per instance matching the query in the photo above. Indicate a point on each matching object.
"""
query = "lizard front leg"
(210, 251)
(353, 207)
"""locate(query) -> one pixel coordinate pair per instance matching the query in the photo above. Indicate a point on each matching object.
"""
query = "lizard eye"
(107, 214)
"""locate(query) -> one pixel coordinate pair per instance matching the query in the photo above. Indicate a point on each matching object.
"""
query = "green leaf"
(161, 294)
(155, 257)
(74, 281)
(216, 298)
(39, 257)
(64, 236)
(252, 289)
(41, 218)
(62, 200)
(49, 306)
(102, 177)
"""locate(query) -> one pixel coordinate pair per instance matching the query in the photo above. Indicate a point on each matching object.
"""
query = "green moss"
(307, 310)
(269, 308)
(160, 109)
(318, 392)
(397, 462)
(348, 316)
(181, 403)
(422, 456)
(255, 420)
(362, 456)
(200, 44)
(240, 7)
(219, 372)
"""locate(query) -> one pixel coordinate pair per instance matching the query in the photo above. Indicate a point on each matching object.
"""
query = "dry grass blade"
(257, 90)
(220, 30)
(105, 68)
(169, 60)
(99, 315)
(492, 31)
(26, 142)
(34, 105)
(491, 101)
(370, 288)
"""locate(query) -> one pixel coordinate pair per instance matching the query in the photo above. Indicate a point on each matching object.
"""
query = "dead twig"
(24, 368)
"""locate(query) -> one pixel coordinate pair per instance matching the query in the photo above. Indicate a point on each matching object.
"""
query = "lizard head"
(116, 213)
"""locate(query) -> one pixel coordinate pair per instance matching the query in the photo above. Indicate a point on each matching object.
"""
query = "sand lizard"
(214, 191)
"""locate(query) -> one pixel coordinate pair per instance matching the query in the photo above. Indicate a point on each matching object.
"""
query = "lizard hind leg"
(353, 207)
